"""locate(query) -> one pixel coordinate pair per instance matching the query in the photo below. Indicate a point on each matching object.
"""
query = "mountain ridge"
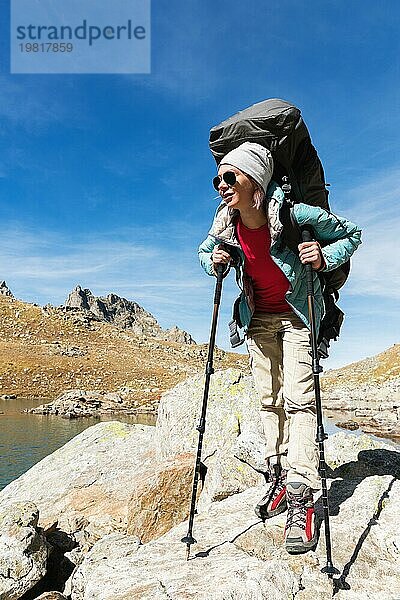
(47, 350)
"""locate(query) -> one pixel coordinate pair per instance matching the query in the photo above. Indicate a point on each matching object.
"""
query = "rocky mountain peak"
(124, 314)
(5, 290)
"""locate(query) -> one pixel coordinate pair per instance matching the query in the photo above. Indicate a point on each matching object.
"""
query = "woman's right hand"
(220, 256)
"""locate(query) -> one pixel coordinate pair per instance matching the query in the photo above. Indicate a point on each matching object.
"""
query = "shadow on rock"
(378, 462)
(340, 582)
(206, 553)
(59, 567)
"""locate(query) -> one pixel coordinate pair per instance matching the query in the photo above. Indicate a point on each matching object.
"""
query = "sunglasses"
(229, 177)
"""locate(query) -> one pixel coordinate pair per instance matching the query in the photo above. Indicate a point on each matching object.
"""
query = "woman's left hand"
(310, 253)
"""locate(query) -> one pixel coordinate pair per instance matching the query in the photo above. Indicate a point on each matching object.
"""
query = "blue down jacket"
(340, 236)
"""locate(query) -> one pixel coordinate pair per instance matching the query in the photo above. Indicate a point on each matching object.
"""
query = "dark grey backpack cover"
(277, 125)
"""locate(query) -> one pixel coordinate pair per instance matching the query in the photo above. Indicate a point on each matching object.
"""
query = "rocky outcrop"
(124, 314)
(75, 404)
(237, 556)
(5, 290)
(177, 335)
(113, 498)
(232, 410)
(23, 549)
(118, 311)
(81, 403)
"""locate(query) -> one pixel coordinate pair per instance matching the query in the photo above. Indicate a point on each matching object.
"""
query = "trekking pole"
(321, 435)
(189, 539)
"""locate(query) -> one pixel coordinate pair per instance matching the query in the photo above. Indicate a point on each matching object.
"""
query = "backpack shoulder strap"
(291, 233)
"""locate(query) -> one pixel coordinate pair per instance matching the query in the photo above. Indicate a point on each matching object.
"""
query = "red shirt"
(269, 282)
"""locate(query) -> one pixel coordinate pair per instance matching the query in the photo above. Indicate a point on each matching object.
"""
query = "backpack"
(278, 125)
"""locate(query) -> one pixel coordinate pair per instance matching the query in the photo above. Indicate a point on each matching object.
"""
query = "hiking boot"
(274, 500)
(300, 532)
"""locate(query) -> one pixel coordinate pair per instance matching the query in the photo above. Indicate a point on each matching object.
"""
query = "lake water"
(25, 439)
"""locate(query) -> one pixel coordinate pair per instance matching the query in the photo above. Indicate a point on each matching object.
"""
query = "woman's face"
(240, 194)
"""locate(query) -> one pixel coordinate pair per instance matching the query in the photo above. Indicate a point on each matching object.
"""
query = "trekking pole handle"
(220, 275)
(306, 236)
(218, 287)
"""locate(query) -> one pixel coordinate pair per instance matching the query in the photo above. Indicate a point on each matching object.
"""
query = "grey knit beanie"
(254, 160)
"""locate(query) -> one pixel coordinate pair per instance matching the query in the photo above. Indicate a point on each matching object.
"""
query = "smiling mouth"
(228, 196)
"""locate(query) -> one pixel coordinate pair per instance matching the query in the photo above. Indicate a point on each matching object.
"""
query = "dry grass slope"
(375, 370)
(46, 351)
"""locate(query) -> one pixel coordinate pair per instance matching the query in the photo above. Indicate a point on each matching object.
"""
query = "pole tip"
(188, 540)
(330, 570)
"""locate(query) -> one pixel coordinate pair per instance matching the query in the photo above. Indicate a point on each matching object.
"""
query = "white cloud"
(370, 297)
(41, 267)
(375, 206)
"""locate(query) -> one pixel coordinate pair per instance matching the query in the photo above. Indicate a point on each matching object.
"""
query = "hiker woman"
(272, 309)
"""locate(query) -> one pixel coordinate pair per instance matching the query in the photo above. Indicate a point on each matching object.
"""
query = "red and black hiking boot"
(274, 500)
(300, 532)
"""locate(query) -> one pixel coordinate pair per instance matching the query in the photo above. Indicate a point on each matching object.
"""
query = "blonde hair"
(258, 195)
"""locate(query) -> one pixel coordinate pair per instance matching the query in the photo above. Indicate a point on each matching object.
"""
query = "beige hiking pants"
(279, 349)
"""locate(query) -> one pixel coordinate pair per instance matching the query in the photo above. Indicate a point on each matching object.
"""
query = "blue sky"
(105, 179)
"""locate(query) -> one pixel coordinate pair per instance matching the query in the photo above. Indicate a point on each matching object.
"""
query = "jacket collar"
(223, 227)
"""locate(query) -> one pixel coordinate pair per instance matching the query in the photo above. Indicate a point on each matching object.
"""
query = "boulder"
(232, 410)
(88, 483)
(23, 550)
(161, 499)
(350, 425)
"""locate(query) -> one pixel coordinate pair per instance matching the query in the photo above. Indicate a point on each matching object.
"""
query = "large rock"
(88, 483)
(233, 410)
(161, 497)
(106, 479)
(237, 556)
(116, 478)
(23, 550)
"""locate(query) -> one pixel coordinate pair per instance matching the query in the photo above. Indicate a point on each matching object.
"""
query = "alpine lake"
(25, 438)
